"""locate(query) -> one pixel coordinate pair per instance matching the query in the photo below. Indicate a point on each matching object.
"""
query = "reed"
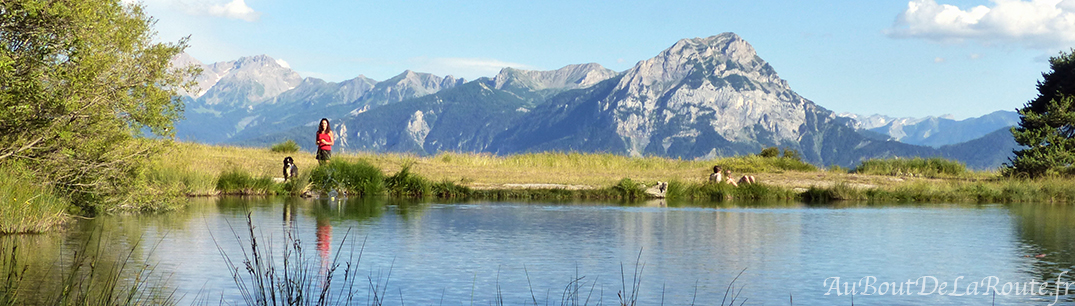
(240, 182)
(26, 207)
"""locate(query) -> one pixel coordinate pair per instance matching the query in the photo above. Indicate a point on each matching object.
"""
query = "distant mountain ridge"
(935, 131)
(700, 98)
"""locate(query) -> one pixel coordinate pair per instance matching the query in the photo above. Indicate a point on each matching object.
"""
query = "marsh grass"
(927, 167)
(238, 181)
(358, 178)
(298, 184)
(1048, 190)
(678, 190)
(296, 278)
(26, 207)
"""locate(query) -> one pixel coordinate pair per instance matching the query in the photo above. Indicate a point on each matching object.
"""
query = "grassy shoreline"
(190, 170)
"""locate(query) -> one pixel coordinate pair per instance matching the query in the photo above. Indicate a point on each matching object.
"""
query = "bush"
(769, 152)
(358, 178)
(288, 146)
(237, 181)
(630, 189)
(404, 183)
(792, 154)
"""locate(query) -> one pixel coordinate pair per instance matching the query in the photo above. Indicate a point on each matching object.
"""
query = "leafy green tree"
(81, 83)
(1047, 126)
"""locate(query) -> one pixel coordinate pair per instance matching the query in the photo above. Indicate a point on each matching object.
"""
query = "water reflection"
(1047, 236)
(461, 252)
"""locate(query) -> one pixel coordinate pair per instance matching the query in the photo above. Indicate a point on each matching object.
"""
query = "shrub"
(237, 181)
(288, 146)
(358, 178)
(769, 152)
(630, 189)
(792, 154)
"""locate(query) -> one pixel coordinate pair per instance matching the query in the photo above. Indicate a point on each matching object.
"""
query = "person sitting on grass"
(746, 179)
(716, 176)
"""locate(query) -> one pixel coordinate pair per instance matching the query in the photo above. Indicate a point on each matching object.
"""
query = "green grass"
(238, 181)
(927, 167)
(288, 146)
(26, 207)
(999, 190)
(358, 178)
(678, 190)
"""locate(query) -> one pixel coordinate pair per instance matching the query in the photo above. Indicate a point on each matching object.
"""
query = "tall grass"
(358, 178)
(288, 146)
(726, 192)
(927, 167)
(1053, 190)
(26, 207)
(295, 279)
(238, 181)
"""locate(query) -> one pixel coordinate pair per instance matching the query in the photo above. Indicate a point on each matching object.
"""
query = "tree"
(80, 82)
(1047, 125)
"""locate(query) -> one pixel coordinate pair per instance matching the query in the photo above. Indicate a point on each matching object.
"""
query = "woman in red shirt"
(325, 139)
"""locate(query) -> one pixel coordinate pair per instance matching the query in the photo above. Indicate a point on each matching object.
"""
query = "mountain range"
(700, 98)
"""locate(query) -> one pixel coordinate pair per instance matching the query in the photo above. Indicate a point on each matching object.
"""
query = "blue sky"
(899, 58)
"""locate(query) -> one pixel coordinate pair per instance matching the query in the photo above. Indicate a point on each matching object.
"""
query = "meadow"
(190, 169)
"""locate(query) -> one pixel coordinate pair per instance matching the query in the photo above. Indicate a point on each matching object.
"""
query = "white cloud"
(282, 63)
(236, 9)
(1033, 23)
(938, 60)
(975, 56)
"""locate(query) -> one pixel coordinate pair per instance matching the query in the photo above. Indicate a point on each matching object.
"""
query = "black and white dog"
(289, 168)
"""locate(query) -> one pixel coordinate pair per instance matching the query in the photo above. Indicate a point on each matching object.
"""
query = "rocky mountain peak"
(249, 80)
(568, 77)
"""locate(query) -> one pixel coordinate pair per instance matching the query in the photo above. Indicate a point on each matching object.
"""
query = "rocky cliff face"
(716, 84)
(247, 81)
(566, 78)
(701, 97)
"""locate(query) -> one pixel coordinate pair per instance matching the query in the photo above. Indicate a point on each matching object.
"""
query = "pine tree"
(1047, 126)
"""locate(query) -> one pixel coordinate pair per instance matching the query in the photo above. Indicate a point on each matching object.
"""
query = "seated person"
(716, 176)
(730, 181)
(747, 179)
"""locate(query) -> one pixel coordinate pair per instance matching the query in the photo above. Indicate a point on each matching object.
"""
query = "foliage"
(792, 154)
(26, 207)
(757, 164)
(769, 152)
(288, 146)
(358, 178)
(237, 181)
(630, 189)
(79, 81)
(1047, 125)
(928, 167)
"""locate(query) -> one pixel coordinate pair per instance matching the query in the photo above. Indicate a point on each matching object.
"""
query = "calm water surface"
(469, 253)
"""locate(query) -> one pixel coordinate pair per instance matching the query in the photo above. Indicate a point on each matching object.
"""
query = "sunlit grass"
(26, 207)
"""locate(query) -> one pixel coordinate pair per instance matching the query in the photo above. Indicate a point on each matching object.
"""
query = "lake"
(482, 253)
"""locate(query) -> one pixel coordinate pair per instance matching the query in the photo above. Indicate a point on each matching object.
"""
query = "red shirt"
(325, 140)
